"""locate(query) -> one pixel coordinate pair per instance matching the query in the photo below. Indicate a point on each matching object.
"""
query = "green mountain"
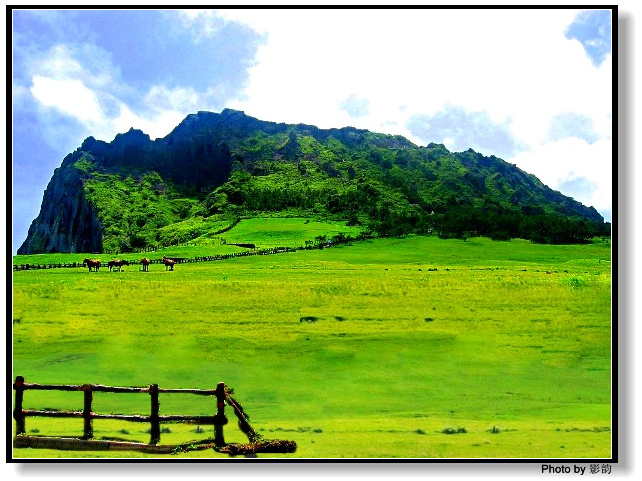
(134, 192)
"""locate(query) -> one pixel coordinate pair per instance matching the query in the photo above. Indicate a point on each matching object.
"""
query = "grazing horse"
(117, 263)
(95, 263)
(169, 263)
(145, 262)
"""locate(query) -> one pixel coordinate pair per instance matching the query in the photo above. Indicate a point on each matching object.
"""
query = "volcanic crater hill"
(133, 191)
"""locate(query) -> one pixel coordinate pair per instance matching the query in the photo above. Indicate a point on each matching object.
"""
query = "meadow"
(412, 347)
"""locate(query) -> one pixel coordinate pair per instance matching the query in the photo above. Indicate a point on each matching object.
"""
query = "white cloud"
(83, 62)
(560, 163)
(355, 106)
(94, 97)
(71, 97)
(459, 130)
(59, 64)
(571, 124)
(157, 124)
(160, 97)
(495, 61)
(201, 23)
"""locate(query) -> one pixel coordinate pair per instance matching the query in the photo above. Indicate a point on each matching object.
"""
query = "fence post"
(155, 428)
(18, 385)
(220, 419)
(86, 413)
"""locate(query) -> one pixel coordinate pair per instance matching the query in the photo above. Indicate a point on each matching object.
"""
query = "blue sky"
(533, 87)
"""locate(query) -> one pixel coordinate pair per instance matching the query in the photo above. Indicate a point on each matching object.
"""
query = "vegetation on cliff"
(216, 167)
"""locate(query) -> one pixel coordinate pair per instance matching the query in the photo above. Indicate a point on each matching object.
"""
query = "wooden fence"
(27, 267)
(178, 260)
(222, 394)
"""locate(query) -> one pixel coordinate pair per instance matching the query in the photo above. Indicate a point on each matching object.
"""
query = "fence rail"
(58, 265)
(222, 393)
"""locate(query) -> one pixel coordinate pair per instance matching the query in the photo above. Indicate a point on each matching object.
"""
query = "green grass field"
(389, 348)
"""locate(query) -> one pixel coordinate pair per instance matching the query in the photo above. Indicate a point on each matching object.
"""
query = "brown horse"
(117, 263)
(145, 262)
(95, 263)
(169, 263)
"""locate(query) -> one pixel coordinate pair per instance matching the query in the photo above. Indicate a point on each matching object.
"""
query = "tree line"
(503, 225)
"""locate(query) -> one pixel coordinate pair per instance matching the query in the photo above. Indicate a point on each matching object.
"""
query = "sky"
(531, 86)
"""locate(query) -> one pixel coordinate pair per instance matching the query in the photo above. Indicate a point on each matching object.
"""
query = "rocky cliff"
(66, 222)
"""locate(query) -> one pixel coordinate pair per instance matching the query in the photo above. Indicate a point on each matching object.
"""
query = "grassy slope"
(264, 232)
(512, 335)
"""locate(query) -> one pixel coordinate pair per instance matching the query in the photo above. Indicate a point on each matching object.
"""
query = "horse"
(169, 263)
(95, 263)
(117, 263)
(145, 262)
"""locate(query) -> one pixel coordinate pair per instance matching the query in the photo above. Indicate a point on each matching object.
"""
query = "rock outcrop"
(66, 222)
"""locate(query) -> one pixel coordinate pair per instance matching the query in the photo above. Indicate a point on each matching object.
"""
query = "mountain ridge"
(120, 194)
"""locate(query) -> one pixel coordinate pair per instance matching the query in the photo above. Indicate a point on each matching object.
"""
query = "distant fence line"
(26, 267)
(217, 257)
